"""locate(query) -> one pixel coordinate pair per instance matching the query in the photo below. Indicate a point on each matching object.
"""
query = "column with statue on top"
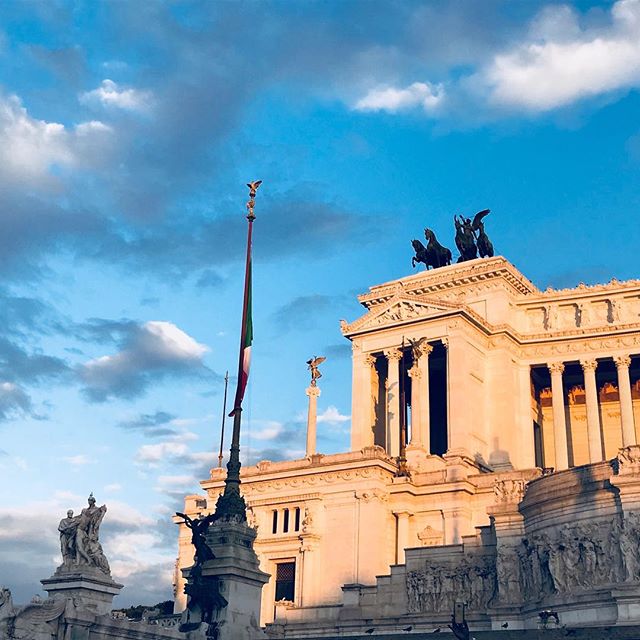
(313, 391)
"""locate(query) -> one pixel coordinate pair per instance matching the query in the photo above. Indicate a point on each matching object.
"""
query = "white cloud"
(268, 429)
(14, 401)
(30, 148)
(112, 488)
(331, 415)
(150, 351)
(563, 58)
(155, 453)
(110, 94)
(563, 63)
(419, 94)
(79, 460)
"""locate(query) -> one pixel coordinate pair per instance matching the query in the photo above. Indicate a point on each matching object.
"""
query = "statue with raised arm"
(314, 363)
(199, 528)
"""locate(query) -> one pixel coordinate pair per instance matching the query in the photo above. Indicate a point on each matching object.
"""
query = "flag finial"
(253, 188)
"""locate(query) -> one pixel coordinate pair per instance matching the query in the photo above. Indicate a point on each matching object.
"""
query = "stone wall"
(566, 542)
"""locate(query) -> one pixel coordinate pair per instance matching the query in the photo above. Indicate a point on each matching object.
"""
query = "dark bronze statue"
(471, 241)
(485, 248)
(471, 238)
(204, 602)
(465, 239)
(199, 528)
(433, 255)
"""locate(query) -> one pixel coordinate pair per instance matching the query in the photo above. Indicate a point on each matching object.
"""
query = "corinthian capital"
(622, 362)
(393, 354)
(589, 365)
(556, 367)
(369, 360)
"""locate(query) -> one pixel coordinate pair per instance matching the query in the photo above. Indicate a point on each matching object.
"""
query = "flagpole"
(231, 503)
(224, 415)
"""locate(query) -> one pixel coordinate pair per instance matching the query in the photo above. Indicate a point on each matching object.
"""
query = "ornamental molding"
(277, 500)
(472, 275)
(371, 494)
(250, 487)
(398, 310)
(609, 345)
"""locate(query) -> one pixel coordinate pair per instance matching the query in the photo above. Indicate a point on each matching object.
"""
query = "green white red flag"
(246, 337)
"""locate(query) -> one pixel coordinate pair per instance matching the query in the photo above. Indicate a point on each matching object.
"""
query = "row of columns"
(419, 373)
(594, 430)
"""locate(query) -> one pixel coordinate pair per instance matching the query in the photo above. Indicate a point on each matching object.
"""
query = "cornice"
(461, 274)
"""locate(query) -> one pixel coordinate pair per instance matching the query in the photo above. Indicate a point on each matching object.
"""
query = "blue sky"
(127, 134)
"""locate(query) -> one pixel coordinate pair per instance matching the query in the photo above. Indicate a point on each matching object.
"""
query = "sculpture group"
(79, 542)
(471, 240)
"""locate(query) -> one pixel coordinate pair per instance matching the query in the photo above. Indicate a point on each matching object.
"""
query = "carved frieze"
(509, 491)
(436, 587)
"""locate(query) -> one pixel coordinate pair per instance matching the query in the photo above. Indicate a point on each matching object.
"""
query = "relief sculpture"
(436, 587)
(574, 556)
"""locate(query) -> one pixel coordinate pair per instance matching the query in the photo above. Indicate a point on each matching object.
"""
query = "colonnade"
(594, 427)
(363, 382)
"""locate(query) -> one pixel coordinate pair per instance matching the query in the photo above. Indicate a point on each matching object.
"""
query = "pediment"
(399, 310)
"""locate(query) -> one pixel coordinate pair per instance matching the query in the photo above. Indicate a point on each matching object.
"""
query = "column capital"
(589, 365)
(415, 372)
(425, 349)
(556, 367)
(622, 362)
(393, 354)
(369, 359)
(313, 391)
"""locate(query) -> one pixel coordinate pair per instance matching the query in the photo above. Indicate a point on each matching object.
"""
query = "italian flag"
(246, 337)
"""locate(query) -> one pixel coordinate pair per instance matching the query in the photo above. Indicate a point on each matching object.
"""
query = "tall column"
(393, 401)
(526, 451)
(559, 420)
(626, 404)
(593, 415)
(361, 400)
(420, 423)
(312, 417)
(416, 414)
(402, 539)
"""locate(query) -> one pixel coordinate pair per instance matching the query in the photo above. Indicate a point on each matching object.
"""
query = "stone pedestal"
(239, 577)
(91, 587)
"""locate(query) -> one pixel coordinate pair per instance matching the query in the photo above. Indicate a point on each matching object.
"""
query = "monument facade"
(493, 462)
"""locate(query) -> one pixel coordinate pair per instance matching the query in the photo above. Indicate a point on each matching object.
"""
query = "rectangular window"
(274, 529)
(285, 581)
(285, 521)
(297, 527)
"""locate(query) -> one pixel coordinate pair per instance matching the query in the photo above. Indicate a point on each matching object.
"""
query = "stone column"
(420, 424)
(402, 539)
(626, 404)
(312, 416)
(393, 401)
(593, 415)
(559, 420)
(361, 400)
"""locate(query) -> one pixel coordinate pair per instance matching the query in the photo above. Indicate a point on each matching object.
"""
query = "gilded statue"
(313, 364)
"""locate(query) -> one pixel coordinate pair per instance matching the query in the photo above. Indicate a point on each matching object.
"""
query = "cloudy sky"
(127, 133)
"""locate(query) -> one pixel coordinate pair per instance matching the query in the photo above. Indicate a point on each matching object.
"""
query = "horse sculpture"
(433, 255)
